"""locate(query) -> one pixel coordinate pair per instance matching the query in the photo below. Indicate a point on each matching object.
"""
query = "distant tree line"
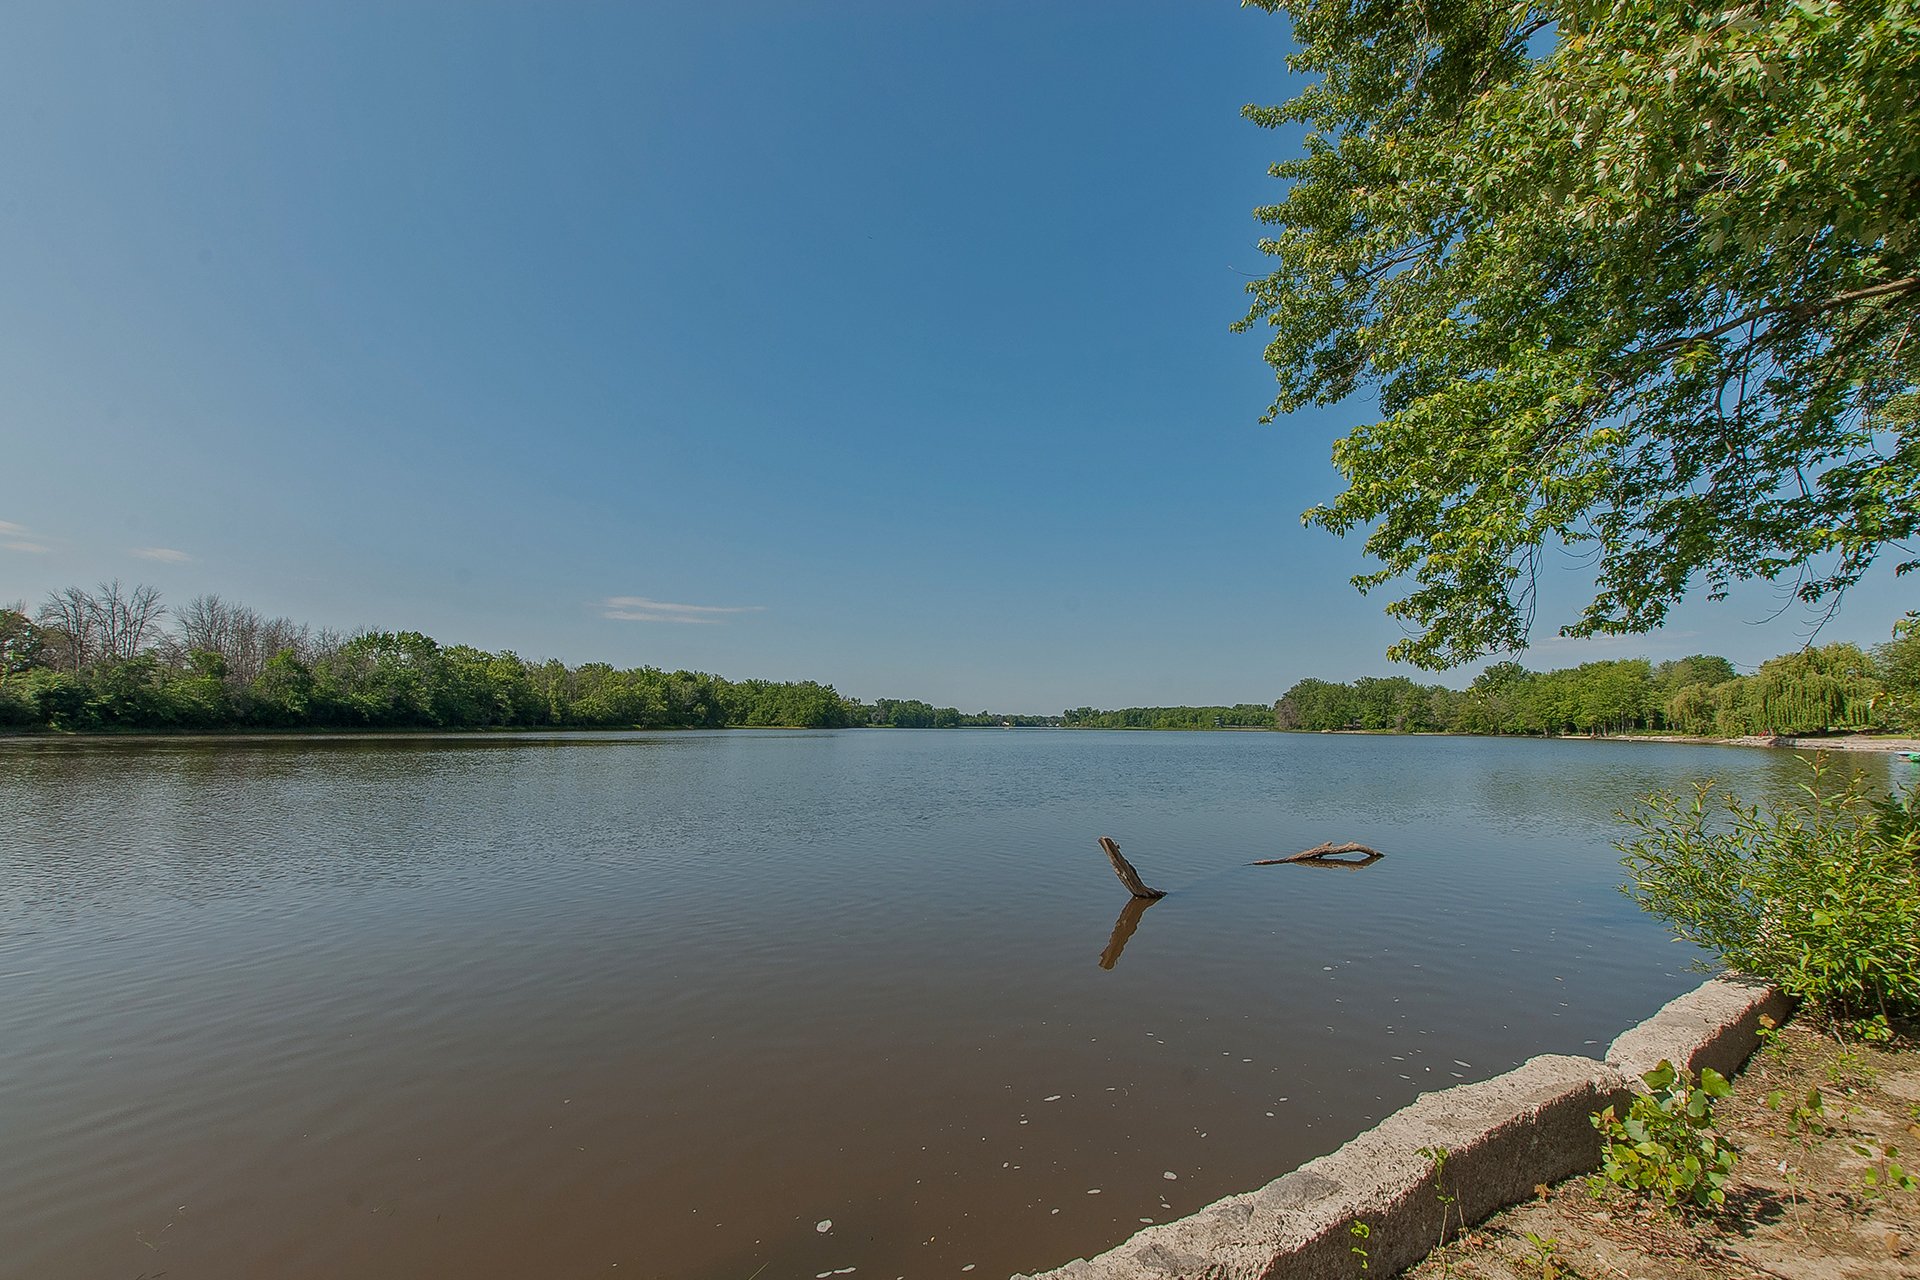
(1246, 715)
(114, 658)
(1813, 690)
(911, 713)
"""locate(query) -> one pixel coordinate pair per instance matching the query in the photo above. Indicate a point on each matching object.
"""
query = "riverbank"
(1887, 743)
(1818, 1191)
(1838, 742)
(1799, 1205)
(1457, 1155)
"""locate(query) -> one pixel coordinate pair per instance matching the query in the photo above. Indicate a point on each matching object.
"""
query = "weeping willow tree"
(1835, 686)
(1813, 691)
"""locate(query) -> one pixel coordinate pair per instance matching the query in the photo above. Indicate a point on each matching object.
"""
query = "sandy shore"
(1842, 742)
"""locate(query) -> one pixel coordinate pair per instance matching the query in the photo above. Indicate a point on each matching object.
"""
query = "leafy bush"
(1819, 894)
(1666, 1145)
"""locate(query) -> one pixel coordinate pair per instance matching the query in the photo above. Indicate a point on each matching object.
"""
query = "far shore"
(1839, 742)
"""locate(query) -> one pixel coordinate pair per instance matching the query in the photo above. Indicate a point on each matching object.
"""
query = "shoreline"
(1884, 744)
(1784, 742)
(1778, 742)
(1504, 1138)
(1798, 1202)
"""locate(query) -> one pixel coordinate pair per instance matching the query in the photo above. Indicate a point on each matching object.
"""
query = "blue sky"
(875, 343)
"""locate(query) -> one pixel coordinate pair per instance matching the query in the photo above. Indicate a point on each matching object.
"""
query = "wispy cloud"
(166, 555)
(22, 539)
(642, 609)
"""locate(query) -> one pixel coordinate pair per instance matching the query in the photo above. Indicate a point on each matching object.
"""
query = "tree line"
(1813, 690)
(115, 658)
(1246, 715)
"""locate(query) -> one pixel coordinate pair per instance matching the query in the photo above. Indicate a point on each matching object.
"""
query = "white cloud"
(31, 548)
(7, 526)
(641, 615)
(166, 555)
(642, 609)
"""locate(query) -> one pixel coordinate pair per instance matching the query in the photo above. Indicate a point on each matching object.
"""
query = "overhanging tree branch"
(1795, 310)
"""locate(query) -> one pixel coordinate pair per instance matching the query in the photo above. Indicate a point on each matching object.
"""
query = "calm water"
(660, 1005)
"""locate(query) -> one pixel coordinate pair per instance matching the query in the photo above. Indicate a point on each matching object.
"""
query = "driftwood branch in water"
(1327, 855)
(1128, 876)
(1123, 929)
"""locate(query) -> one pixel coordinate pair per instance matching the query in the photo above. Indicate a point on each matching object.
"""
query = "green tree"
(1813, 690)
(282, 694)
(1682, 692)
(1612, 697)
(1633, 275)
(385, 679)
(1700, 668)
(1316, 705)
(1897, 664)
(607, 698)
(1689, 709)
(22, 647)
(46, 698)
(127, 694)
(194, 695)
(1492, 701)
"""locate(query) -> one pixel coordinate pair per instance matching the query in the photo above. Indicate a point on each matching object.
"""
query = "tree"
(126, 620)
(67, 629)
(1315, 705)
(115, 625)
(1492, 704)
(283, 692)
(1636, 277)
(1897, 663)
(238, 634)
(1670, 678)
(1612, 697)
(1813, 690)
(22, 647)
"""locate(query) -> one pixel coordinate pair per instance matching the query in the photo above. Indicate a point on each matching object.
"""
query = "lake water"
(663, 1004)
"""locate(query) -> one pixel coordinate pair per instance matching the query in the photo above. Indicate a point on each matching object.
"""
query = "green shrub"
(1819, 894)
(1666, 1146)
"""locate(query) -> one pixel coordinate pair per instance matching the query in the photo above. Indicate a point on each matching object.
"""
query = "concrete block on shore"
(1715, 1025)
(1503, 1137)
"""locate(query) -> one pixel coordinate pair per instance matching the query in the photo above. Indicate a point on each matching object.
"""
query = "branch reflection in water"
(1123, 929)
(1348, 864)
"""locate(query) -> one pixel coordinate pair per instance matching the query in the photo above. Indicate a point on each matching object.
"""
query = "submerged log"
(1327, 855)
(1128, 876)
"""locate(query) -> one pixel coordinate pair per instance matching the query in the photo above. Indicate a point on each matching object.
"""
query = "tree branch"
(1797, 310)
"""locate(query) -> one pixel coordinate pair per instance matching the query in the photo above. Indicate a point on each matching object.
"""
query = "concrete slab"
(1715, 1025)
(1503, 1137)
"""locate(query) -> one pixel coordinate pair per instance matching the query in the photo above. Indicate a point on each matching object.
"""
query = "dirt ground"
(1799, 1206)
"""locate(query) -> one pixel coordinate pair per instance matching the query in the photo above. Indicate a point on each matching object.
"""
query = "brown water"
(663, 1005)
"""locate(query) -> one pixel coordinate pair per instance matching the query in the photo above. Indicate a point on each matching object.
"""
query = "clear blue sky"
(887, 341)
